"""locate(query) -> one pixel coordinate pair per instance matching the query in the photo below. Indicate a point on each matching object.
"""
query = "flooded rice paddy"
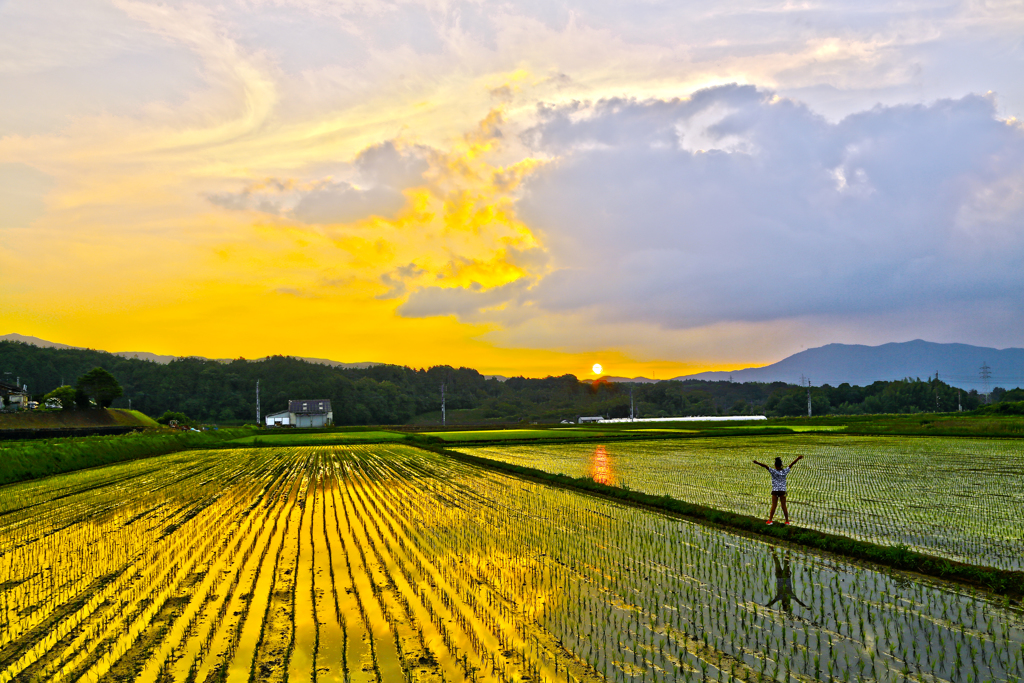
(388, 563)
(958, 498)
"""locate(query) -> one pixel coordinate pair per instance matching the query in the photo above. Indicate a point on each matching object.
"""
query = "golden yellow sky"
(135, 256)
(188, 278)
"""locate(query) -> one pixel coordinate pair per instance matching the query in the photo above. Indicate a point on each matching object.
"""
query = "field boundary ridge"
(420, 439)
(91, 418)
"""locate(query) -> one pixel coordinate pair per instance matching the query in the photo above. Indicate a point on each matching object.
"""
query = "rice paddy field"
(958, 498)
(389, 563)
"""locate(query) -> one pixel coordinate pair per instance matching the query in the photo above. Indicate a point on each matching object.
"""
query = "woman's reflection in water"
(601, 467)
(783, 584)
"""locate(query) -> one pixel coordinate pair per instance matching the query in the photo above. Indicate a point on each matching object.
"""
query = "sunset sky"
(519, 187)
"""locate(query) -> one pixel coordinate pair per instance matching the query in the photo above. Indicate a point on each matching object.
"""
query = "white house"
(304, 413)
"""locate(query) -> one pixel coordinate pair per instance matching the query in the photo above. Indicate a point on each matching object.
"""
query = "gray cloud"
(341, 202)
(471, 304)
(737, 206)
(868, 215)
(266, 197)
(396, 280)
(382, 172)
(385, 164)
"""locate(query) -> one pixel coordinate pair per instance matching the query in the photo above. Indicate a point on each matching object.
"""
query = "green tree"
(180, 418)
(100, 386)
(64, 394)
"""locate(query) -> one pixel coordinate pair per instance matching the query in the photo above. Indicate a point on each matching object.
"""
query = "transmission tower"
(257, 403)
(986, 375)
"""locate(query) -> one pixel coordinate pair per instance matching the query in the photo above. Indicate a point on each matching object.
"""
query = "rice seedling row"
(389, 563)
(958, 498)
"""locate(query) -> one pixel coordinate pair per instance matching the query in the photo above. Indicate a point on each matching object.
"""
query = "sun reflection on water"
(601, 467)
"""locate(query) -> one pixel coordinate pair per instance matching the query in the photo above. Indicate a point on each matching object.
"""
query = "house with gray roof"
(311, 412)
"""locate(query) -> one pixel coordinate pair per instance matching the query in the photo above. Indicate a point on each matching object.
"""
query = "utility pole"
(986, 375)
(959, 405)
(632, 414)
(447, 379)
(808, 397)
(258, 403)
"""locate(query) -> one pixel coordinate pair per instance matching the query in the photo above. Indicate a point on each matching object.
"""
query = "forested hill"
(215, 391)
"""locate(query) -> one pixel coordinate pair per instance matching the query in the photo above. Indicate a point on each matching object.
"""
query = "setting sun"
(597, 368)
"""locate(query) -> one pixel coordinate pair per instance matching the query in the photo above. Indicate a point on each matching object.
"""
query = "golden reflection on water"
(601, 467)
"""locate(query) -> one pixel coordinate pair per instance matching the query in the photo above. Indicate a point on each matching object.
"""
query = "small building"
(594, 418)
(14, 396)
(18, 401)
(311, 413)
(282, 419)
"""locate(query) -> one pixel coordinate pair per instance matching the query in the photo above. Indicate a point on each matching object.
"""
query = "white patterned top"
(779, 478)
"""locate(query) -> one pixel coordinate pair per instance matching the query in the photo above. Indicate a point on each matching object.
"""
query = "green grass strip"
(27, 460)
(316, 438)
(1002, 582)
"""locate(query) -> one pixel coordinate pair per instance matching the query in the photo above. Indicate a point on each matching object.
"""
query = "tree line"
(212, 391)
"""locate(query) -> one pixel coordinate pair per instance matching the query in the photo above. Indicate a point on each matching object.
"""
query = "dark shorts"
(778, 493)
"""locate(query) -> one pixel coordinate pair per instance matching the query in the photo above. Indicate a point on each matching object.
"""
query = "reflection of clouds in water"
(601, 467)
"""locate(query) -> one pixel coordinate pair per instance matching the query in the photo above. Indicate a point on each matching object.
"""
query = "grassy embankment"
(1008, 583)
(26, 460)
(75, 419)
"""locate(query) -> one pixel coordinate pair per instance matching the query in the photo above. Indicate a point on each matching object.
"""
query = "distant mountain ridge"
(959, 365)
(164, 360)
(634, 380)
